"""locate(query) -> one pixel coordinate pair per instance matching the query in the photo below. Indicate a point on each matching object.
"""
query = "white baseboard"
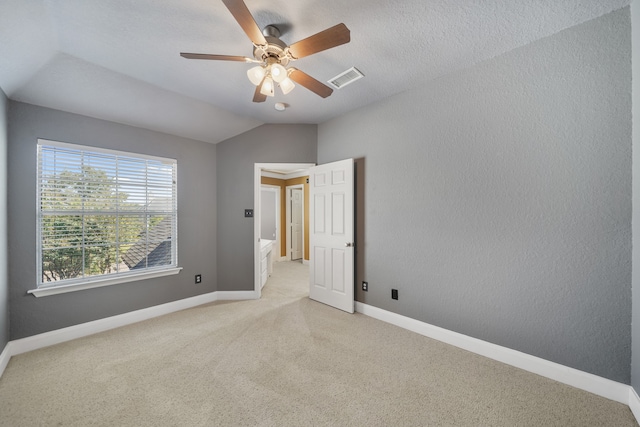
(58, 336)
(305, 261)
(585, 381)
(236, 295)
(4, 357)
(634, 403)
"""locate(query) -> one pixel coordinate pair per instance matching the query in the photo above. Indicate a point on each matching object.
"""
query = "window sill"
(54, 290)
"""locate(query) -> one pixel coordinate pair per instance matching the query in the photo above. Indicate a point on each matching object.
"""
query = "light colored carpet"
(283, 360)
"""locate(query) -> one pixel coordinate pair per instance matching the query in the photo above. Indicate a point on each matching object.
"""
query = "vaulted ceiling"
(119, 59)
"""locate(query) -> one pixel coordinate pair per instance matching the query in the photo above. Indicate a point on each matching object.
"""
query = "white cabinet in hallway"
(266, 260)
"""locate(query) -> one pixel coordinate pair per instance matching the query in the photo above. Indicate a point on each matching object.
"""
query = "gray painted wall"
(498, 199)
(635, 328)
(4, 275)
(236, 159)
(196, 219)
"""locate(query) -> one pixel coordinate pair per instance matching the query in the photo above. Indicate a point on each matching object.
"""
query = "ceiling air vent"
(343, 79)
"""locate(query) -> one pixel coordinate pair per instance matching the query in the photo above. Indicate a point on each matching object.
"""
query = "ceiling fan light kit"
(266, 75)
(287, 85)
(256, 74)
(267, 87)
(274, 55)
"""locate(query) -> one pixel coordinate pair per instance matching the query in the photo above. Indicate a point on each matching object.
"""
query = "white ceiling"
(119, 59)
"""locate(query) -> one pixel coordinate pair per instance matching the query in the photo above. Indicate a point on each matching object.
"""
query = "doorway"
(285, 175)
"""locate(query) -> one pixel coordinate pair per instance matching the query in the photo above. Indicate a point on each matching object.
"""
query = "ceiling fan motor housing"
(274, 51)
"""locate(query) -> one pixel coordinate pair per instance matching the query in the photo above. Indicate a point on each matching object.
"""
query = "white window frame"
(71, 285)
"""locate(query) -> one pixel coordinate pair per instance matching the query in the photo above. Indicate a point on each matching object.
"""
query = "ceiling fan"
(273, 55)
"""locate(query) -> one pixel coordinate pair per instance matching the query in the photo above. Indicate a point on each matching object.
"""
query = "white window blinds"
(103, 212)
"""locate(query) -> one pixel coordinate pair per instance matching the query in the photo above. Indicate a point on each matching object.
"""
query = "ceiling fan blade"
(216, 57)
(240, 11)
(331, 37)
(304, 79)
(257, 96)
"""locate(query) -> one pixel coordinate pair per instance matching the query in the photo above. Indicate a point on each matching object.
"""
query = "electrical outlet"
(365, 286)
(394, 294)
(248, 213)
(198, 278)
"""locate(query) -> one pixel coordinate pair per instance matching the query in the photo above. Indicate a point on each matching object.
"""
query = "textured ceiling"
(119, 59)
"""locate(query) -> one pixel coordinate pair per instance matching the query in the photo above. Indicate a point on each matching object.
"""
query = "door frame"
(288, 189)
(257, 184)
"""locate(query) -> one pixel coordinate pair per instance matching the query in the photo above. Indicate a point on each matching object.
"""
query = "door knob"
(350, 245)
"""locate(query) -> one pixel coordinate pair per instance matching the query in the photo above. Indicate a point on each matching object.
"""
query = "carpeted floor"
(283, 360)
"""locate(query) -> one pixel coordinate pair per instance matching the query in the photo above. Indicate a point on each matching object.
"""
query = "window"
(103, 214)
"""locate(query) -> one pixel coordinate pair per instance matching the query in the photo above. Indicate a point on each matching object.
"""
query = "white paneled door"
(331, 234)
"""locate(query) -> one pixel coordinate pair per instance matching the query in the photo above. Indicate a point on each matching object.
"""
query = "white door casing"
(331, 234)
